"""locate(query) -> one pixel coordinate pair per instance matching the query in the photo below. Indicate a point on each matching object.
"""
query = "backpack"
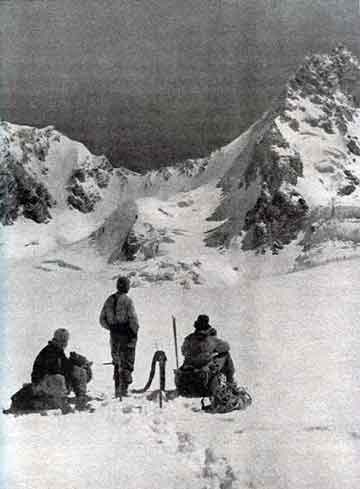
(209, 382)
(121, 328)
(195, 382)
(83, 362)
(24, 400)
(226, 397)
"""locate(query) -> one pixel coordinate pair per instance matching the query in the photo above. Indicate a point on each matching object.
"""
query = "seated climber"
(208, 369)
(53, 377)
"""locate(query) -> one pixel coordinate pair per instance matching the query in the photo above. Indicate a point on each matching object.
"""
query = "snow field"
(295, 345)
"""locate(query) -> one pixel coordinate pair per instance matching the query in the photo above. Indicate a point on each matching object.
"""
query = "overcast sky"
(150, 81)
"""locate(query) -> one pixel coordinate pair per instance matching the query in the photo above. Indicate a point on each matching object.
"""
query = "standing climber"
(119, 317)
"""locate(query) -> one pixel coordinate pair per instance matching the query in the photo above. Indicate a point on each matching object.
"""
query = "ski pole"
(175, 340)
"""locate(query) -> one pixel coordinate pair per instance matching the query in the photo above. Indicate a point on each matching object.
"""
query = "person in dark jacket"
(55, 375)
(203, 347)
(208, 371)
(119, 317)
(52, 359)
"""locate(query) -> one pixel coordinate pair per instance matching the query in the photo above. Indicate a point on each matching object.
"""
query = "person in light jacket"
(119, 317)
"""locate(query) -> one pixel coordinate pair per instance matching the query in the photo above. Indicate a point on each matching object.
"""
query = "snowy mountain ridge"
(54, 192)
(302, 160)
(292, 180)
(42, 169)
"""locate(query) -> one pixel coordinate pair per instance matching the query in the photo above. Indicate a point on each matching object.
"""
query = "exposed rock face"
(300, 154)
(354, 147)
(277, 214)
(32, 161)
(85, 183)
(275, 220)
(144, 241)
(21, 192)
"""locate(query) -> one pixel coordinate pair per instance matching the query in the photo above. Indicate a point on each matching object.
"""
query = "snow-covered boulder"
(109, 239)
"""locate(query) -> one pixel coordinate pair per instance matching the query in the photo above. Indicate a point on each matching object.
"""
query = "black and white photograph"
(180, 244)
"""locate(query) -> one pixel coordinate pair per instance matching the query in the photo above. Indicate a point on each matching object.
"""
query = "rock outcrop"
(86, 181)
(21, 191)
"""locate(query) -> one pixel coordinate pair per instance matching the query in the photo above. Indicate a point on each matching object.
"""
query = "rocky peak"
(322, 75)
(303, 154)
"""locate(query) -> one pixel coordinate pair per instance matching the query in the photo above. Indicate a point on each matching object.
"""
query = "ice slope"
(295, 343)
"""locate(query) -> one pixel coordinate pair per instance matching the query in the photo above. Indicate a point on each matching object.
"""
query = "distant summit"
(301, 166)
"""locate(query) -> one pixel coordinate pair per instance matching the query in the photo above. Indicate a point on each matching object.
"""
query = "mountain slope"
(293, 177)
(54, 192)
(302, 162)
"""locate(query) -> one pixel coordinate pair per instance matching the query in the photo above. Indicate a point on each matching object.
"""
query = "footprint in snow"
(355, 435)
(318, 428)
(63, 264)
(44, 268)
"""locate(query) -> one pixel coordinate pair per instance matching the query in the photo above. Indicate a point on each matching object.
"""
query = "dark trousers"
(123, 356)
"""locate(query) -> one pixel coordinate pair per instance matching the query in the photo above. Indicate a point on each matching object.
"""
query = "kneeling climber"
(53, 377)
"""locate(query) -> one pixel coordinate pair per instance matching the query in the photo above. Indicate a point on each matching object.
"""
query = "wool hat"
(123, 285)
(61, 336)
(202, 322)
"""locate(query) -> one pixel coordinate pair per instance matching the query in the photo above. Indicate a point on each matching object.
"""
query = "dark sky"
(148, 82)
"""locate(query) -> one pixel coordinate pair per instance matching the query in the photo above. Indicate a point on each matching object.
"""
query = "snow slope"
(293, 335)
(295, 345)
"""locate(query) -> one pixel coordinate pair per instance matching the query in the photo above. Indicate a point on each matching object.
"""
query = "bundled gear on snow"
(53, 377)
(27, 399)
(208, 370)
(118, 316)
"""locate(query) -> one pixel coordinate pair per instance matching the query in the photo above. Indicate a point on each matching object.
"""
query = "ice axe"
(175, 341)
(117, 379)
